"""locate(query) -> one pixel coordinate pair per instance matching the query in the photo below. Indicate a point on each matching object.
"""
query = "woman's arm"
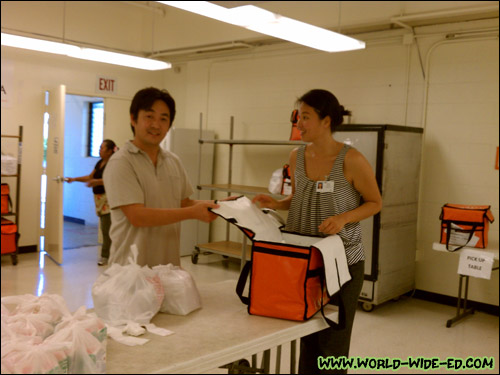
(359, 173)
(82, 178)
(95, 182)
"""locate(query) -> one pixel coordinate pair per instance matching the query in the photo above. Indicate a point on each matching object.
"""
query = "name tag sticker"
(324, 186)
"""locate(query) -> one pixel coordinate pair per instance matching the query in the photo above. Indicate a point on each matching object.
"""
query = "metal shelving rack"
(231, 248)
(17, 176)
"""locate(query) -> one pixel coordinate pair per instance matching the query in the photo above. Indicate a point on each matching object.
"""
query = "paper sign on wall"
(475, 263)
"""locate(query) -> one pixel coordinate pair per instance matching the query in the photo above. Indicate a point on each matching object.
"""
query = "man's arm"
(141, 216)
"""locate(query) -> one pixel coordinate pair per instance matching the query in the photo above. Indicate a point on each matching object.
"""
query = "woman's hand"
(332, 225)
(265, 201)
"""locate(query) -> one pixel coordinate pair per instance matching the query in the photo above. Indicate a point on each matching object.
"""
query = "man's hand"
(201, 211)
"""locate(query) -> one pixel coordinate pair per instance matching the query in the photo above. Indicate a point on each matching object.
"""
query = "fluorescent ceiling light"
(269, 23)
(83, 53)
(203, 8)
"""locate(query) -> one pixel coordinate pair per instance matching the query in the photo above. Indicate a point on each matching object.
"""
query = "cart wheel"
(14, 259)
(367, 306)
(194, 258)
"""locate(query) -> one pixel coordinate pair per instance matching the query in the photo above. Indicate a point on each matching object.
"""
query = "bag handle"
(242, 280)
(448, 234)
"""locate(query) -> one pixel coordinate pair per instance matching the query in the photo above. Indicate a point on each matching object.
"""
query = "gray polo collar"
(130, 147)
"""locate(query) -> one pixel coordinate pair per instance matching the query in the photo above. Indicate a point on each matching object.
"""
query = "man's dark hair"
(145, 98)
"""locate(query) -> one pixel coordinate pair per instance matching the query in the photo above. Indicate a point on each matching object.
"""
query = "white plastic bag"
(9, 165)
(181, 294)
(30, 315)
(29, 358)
(280, 182)
(86, 354)
(41, 336)
(127, 293)
(276, 182)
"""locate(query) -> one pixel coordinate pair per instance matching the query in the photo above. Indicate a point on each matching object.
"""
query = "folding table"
(219, 333)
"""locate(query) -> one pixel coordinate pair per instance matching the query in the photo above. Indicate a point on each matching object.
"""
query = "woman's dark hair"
(145, 98)
(325, 104)
(110, 145)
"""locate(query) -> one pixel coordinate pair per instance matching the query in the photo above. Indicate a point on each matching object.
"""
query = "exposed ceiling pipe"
(206, 48)
(402, 20)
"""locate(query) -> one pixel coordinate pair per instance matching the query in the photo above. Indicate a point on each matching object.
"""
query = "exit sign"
(106, 85)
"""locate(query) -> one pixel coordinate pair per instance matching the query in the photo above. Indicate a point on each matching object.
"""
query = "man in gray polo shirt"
(148, 188)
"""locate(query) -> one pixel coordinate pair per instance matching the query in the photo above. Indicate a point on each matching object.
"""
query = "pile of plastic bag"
(127, 297)
(41, 336)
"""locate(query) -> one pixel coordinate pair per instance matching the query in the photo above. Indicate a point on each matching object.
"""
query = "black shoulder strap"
(448, 234)
(240, 287)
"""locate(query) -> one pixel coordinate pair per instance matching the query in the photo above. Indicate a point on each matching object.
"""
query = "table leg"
(278, 360)
(461, 314)
(293, 356)
(266, 362)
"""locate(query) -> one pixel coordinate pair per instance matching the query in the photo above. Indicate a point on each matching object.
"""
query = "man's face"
(152, 125)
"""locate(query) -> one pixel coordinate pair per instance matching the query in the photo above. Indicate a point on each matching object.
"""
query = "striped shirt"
(309, 208)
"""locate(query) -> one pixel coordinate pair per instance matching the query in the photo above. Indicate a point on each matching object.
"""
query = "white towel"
(335, 261)
(247, 215)
(334, 258)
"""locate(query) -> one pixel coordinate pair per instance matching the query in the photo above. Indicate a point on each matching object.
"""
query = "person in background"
(148, 187)
(95, 181)
(333, 189)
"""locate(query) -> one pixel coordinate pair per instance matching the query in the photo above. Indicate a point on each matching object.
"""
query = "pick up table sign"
(475, 263)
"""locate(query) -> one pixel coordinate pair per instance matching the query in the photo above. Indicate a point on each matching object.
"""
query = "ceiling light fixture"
(269, 23)
(83, 52)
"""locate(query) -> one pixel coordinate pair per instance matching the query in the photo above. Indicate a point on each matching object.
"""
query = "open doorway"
(84, 120)
(75, 120)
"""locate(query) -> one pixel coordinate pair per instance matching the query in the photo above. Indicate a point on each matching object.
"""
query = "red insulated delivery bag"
(9, 237)
(465, 225)
(286, 273)
(286, 281)
(6, 202)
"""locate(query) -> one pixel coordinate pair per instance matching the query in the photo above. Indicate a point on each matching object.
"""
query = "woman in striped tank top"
(333, 189)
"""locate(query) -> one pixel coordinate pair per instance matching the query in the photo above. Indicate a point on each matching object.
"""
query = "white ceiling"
(148, 28)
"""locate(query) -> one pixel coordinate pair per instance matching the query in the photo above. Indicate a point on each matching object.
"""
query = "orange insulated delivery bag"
(9, 237)
(465, 225)
(6, 202)
(291, 276)
(287, 281)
